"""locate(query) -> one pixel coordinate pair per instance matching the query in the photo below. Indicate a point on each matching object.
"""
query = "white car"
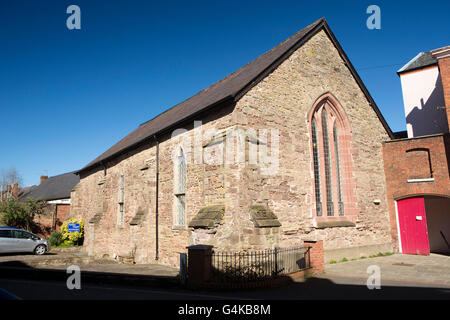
(16, 240)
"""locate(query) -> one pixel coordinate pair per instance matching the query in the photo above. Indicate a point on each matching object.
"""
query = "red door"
(413, 226)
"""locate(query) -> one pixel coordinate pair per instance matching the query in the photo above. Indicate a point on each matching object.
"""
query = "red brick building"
(56, 192)
(417, 167)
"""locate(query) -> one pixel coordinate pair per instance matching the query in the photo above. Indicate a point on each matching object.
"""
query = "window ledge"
(420, 180)
(175, 228)
(335, 224)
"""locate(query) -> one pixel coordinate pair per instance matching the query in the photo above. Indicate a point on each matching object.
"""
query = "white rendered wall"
(422, 95)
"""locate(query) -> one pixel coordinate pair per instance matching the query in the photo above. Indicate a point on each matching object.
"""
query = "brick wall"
(45, 221)
(316, 255)
(62, 214)
(444, 69)
(401, 164)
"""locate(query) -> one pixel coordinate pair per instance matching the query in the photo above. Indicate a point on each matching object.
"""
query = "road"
(314, 288)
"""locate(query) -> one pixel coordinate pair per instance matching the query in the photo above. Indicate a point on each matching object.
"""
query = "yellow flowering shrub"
(72, 238)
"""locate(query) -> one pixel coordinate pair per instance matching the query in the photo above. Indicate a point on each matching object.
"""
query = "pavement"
(428, 275)
(53, 266)
(61, 258)
(433, 270)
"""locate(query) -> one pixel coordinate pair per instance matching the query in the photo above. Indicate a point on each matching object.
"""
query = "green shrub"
(55, 239)
(20, 214)
(72, 238)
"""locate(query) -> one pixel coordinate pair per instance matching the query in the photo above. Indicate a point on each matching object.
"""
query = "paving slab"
(59, 259)
(118, 268)
(433, 269)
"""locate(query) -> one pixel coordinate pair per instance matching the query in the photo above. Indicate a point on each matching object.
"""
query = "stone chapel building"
(305, 163)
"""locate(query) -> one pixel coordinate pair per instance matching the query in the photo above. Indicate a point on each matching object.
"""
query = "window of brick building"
(419, 164)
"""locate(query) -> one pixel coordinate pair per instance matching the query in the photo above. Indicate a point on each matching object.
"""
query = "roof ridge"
(234, 73)
(230, 87)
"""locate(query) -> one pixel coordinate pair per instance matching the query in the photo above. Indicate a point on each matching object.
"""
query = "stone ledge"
(96, 218)
(139, 217)
(208, 217)
(335, 224)
(263, 217)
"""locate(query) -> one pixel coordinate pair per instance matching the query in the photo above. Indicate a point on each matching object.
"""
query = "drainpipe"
(104, 168)
(156, 199)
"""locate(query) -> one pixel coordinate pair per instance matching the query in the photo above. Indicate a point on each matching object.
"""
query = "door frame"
(400, 249)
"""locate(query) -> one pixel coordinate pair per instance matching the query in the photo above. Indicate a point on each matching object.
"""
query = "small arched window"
(180, 189)
(121, 200)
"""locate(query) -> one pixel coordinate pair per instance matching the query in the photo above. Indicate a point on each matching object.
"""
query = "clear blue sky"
(68, 95)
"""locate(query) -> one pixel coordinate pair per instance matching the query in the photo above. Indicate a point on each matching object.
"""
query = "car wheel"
(40, 249)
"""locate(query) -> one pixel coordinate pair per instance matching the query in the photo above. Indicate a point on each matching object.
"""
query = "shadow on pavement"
(314, 288)
(20, 270)
(319, 288)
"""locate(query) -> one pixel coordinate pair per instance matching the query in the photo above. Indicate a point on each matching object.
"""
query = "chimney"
(15, 189)
(43, 178)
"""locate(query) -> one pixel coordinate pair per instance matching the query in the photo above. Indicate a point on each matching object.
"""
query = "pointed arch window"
(331, 157)
(180, 190)
(338, 170)
(327, 164)
(316, 160)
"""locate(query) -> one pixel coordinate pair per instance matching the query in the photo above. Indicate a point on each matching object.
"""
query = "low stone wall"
(357, 252)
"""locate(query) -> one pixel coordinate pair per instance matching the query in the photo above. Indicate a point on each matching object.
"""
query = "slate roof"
(230, 88)
(57, 187)
(422, 60)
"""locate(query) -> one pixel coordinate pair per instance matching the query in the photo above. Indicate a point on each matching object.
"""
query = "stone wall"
(281, 101)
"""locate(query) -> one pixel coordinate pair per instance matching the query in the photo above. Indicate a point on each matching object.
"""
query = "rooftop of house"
(54, 188)
(231, 88)
(425, 59)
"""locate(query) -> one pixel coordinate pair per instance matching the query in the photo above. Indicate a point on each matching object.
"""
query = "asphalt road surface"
(314, 288)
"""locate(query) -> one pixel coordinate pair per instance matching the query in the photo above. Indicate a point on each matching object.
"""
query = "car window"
(5, 233)
(18, 234)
